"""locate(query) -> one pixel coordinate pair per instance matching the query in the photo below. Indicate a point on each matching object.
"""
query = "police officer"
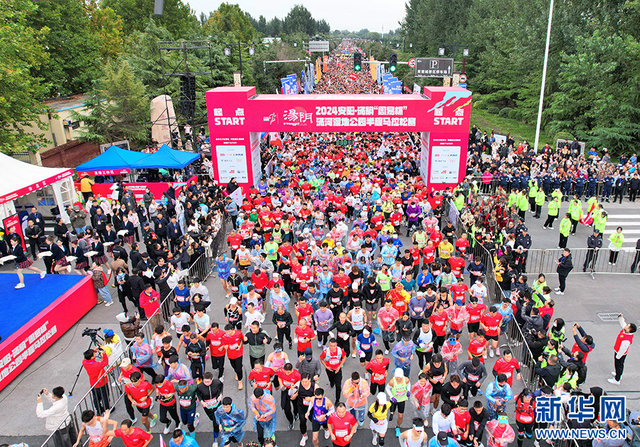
(524, 240)
(594, 244)
(607, 185)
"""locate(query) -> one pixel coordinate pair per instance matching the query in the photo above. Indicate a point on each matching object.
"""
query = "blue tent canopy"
(112, 158)
(165, 157)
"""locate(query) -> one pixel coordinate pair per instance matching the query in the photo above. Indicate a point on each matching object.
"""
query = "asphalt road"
(585, 301)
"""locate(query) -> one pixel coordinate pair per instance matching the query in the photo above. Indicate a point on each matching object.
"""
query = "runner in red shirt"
(459, 289)
(217, 348)
(462, 418)
(261, 376)
(429, 253)
(304, 311)
(138, 392)
(490, 322)
(507, 365)
(457, 266)
(165, 394)
(286, 377)
(378, 367)
(477, 347)
(342, 426)
(475, 311)
(462, 244)
(439, 319)
(131, 436)
(233, 340)
(304, 335)
(234, 240)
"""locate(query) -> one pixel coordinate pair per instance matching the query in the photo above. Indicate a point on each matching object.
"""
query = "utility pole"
(240, 53)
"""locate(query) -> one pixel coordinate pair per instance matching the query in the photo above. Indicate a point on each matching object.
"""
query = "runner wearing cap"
(378, 412)
(399, 390)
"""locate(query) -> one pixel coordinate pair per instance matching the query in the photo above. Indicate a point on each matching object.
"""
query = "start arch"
(237, 116)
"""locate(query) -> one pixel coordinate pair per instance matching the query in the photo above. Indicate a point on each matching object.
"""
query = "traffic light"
(393, 62)
(357, 62)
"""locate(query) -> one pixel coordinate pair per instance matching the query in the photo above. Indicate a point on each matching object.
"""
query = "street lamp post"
(544, 78)
(252, 52)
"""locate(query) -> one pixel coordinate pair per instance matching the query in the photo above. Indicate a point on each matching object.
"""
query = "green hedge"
(493, 110)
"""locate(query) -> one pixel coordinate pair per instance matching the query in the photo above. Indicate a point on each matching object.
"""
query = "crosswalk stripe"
(624, 216)
(621, 224)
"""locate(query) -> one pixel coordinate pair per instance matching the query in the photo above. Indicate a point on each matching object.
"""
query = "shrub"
(493, 110)
(515, 114)
(479, 105)
(504, 113)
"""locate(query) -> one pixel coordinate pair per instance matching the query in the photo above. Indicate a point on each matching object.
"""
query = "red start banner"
(138, 189)
(234, 113)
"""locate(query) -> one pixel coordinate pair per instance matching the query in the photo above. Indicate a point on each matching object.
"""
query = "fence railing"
(492, 187)
(585, 260)
(513, 333)
(108, 396)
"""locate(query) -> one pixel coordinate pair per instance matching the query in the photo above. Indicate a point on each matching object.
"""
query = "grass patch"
(519, 131)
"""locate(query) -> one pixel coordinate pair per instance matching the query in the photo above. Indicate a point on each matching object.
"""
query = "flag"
(588, 219)
(274, 139)
(162, 444)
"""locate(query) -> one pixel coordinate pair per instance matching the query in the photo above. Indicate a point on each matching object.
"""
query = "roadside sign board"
(319, 46)
(434, 67)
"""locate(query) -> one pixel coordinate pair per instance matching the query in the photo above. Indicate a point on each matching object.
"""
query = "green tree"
(299, 20)
(74, 55)
(177, 17)
(106, 26)
(274, 27)
(232, 23)
(21, 53)
(322, 27)
(267, 78)
(119, 108)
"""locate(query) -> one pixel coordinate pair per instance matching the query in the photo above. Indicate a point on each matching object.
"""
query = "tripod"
(95, 342)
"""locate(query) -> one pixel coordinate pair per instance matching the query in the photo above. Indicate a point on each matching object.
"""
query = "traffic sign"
(434, 67)
(412, 63)
(463, 78)
(463, 85)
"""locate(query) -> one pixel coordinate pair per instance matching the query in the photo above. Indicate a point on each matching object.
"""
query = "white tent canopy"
(19, 179)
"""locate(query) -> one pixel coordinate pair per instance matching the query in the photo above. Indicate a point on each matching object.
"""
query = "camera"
(88, 332)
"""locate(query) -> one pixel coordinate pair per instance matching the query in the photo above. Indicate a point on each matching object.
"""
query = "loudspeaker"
(187, 95)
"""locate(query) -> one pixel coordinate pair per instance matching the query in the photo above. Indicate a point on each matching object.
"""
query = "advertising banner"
(14, 222)
(138, 189)
(34, 338)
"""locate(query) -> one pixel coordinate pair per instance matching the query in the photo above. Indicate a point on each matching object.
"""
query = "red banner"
(14, 222)
(138, 189)
(107, 172)
(34, 338)
(353, 76)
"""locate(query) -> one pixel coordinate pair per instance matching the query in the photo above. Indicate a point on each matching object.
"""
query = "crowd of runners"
(353, 261)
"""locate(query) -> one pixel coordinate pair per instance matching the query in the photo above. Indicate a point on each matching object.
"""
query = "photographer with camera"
(57, 417)
(95, 361)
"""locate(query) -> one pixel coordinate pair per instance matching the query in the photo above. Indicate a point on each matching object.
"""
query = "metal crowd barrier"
(492, 187)
(585, 260)
(99, 399)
